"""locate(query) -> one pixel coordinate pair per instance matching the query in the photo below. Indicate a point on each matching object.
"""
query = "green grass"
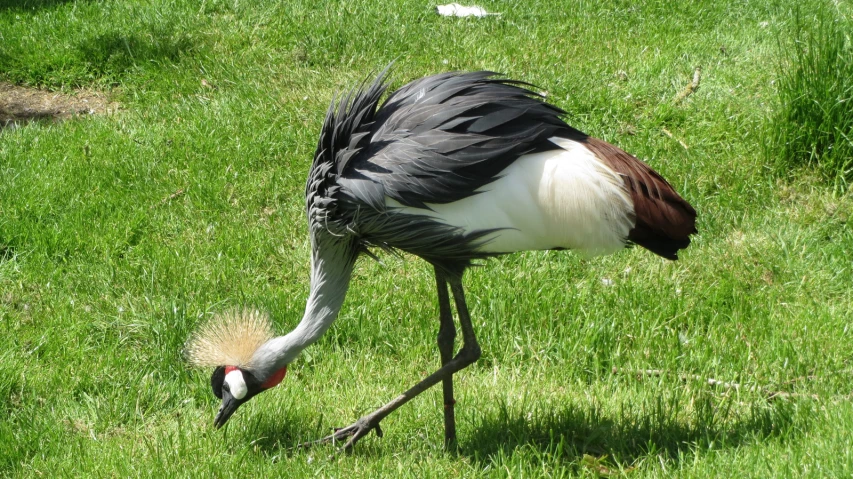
(813, 123)
(102, 281)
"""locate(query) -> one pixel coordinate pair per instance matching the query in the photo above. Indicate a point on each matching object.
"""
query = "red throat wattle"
(275, 378)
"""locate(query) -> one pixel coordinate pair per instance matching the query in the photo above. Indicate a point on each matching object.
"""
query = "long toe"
(361, 428)
(352, 433)
(339, 434)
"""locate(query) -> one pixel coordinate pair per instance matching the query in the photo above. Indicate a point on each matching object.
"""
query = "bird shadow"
(658, 428)
(661, 427)
(283, 433)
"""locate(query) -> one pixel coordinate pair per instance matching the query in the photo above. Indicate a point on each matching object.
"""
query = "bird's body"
(487, 168)
(454, 168)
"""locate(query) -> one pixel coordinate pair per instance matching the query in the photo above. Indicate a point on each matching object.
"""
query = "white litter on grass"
(456, 10)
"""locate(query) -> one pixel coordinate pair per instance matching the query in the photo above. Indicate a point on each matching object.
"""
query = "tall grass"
(120, 233)
(813, 123)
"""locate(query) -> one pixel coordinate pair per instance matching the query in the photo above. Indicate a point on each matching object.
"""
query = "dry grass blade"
(169, 198)
(771, 394)
(690, 88)
(669, 134)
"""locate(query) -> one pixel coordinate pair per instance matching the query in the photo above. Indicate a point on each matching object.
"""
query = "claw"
(354, 432)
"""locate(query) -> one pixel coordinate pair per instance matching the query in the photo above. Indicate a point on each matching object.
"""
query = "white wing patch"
(563, 198)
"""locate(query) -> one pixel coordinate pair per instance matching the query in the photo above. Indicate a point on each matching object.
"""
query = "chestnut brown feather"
(664, 220)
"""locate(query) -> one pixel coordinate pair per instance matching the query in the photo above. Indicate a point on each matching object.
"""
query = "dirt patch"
(21, 104)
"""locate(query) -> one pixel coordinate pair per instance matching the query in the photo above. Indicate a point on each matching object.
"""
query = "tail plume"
(664, 220)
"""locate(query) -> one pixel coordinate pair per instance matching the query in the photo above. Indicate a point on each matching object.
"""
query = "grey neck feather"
(331, 267)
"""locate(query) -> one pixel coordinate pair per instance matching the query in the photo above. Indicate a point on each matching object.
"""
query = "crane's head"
(235, 386)
(228, 343)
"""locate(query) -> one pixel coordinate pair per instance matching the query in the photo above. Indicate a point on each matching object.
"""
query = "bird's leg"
(446, 336)
(469, 353)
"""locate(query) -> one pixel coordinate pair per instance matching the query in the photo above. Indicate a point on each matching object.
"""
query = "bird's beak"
(229, 405)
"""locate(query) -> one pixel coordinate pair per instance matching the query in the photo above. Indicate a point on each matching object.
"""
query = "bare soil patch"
(22, 104)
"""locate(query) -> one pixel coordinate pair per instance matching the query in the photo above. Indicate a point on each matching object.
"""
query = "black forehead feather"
(216, 380)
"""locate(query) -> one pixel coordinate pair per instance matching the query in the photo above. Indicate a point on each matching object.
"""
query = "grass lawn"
(120, 232)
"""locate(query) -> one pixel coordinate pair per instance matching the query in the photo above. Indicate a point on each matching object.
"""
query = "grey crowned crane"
(453, 168)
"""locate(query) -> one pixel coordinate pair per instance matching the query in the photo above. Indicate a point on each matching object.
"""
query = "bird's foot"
(354, 432)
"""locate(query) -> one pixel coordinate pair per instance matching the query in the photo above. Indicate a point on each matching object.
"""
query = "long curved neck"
(332, 262)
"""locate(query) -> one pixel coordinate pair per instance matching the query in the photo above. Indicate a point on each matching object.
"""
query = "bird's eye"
(226, 386)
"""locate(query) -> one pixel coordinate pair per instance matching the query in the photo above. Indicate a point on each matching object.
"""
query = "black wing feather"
(440, 138)
(435, 140)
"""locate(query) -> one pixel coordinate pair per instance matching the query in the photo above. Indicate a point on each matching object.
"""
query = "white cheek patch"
(236, 384)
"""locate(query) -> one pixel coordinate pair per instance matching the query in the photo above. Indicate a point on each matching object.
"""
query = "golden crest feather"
(230, 338)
